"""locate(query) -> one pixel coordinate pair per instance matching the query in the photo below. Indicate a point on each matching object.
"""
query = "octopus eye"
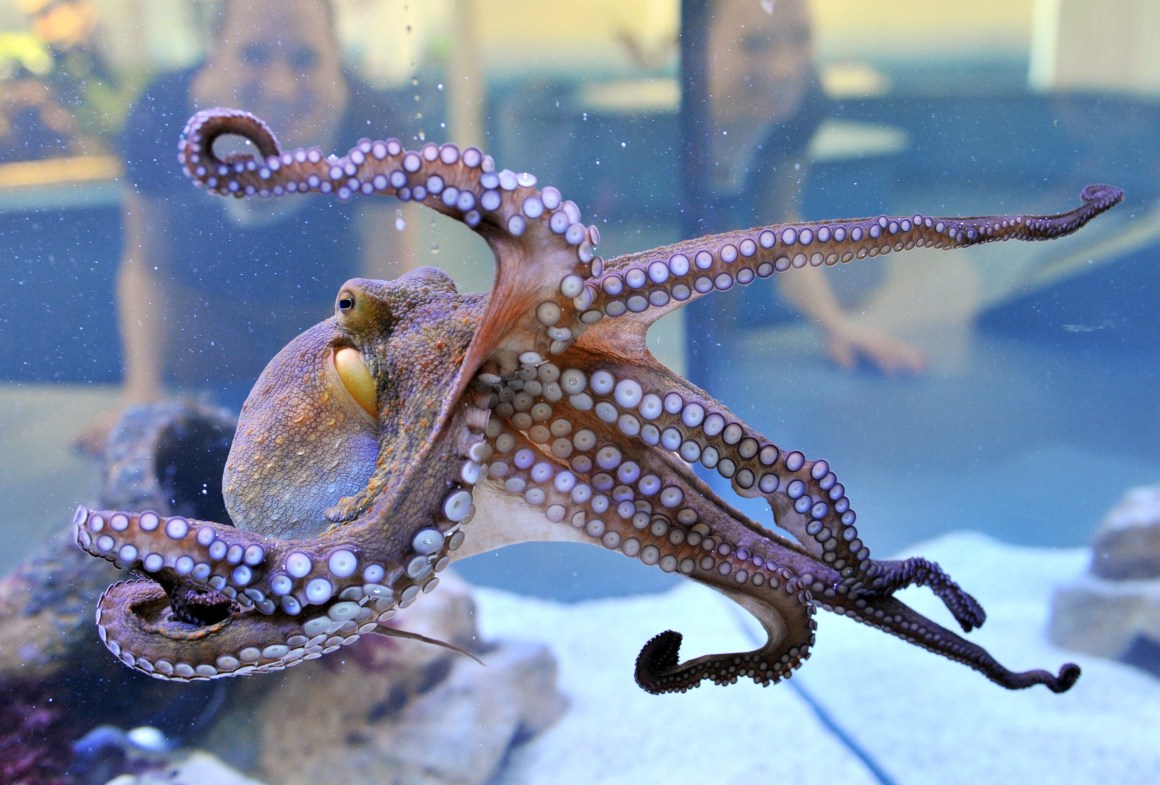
(345, 302)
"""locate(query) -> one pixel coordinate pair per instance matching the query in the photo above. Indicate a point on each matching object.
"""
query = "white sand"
(922, 719)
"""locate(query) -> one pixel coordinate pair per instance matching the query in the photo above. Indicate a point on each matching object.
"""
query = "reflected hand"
(889, 354)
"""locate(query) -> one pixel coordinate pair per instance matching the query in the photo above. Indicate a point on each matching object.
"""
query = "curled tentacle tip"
(207, 125)
(1057, 683)
(1068, 674)
(967, 611)
(80, 536)
(1102, 194)
(974, 621)
(660, 655)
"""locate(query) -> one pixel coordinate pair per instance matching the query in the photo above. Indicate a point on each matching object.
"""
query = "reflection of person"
(209, 289)
(765, 103)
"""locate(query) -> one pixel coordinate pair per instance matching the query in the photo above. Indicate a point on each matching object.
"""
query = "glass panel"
(987, 406)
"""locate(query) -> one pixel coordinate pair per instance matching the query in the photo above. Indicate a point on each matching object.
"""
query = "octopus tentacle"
(650, 404)
(576, 467)
(295, 599)
(917, 571)
(805, 496)
(659, 669)
(303, 598)
(890, 615)
(663, 279)
(562, 440)
(679, 525)
(274, 584)
(543, 251)
(550, 284)
(598, 486)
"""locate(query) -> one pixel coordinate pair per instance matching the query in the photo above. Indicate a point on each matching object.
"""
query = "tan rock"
(455, 731)
(1114, 610)
(195, 768)
(389, 710)
(1127, 544)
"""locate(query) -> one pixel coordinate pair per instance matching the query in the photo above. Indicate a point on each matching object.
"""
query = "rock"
(167, 458)
(1105, 618)
(191, 768)
(389, 710)
(1127, 544)
(1114, 610)
(57, 680)
(458, 732)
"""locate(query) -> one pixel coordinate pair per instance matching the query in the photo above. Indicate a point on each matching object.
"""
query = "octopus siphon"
(419, 426)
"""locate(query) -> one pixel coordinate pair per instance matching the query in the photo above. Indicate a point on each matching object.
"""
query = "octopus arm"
(613, 498)
(214, 601)
(220, 601)
(658, 408)
(891, 615)
(611, 372)
(789, 627)
(543, 251)
(550, 285)
(619, 473)
(663, 279)
(136, 620)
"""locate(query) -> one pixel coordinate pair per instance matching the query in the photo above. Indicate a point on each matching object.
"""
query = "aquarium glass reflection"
(992, 408)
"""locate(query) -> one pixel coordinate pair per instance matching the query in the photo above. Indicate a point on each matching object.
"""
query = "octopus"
(419, 426)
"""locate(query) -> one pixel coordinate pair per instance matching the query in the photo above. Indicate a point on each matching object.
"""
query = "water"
(1034, 410)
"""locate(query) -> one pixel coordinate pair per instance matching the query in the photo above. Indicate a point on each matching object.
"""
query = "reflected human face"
(760, 57)
(278, 59)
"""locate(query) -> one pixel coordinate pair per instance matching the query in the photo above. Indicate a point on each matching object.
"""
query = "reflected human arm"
(141, 304)
(809, 292)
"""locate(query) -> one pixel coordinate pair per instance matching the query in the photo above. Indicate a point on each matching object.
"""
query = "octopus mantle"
(420, 425)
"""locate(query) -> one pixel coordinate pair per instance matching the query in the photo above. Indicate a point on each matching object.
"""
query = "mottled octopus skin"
(533, 412)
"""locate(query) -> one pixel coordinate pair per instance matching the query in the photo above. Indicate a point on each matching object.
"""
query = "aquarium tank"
(416, 370)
